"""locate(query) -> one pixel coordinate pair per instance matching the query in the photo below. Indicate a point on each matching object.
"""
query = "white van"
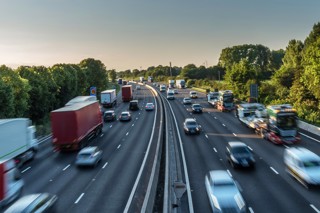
(303, 165)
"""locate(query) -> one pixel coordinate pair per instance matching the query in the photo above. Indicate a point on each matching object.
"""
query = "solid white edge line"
(104, 166)
(314, 208)
(26, 169)
(142, 165)
(310, 137)
(65, 168)
(275, 171)
(79, 198)
(251, 210)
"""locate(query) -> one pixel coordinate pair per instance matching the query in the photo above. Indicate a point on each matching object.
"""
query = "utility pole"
(170, 69)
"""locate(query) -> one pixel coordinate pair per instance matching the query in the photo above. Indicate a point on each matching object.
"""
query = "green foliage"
(112, 75)
(6, 100)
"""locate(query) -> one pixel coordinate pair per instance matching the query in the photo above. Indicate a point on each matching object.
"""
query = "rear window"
(84, 155)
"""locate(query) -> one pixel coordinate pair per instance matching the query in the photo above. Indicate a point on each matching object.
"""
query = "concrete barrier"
(308, 127)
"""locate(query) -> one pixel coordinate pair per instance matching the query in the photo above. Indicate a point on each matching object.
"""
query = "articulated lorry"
(11, 184)
(225, 101)
(213, 98)
(127, 93)
(73, 126)
(81, 99)
(180, 83)
(108, 98)
(276, 123)
(18, 141)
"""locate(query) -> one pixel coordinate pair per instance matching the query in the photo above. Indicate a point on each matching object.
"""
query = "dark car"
(125, 116)
(42, 202)
(196, 108)
(133, 105)
(239, 155)
(109, 115)
(190, 126)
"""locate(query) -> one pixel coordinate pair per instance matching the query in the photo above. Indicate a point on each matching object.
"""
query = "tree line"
(283, 76)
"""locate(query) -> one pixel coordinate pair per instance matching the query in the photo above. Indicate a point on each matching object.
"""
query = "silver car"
(187, 101)
(89, 156)
(223, 193)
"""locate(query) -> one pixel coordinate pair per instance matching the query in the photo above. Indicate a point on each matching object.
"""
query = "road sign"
(179, 189)
(254, 91)
(93, 91)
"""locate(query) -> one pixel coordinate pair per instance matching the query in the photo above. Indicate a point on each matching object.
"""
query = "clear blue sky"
(134, 34)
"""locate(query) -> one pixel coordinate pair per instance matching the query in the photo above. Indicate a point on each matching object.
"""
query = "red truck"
(73, 126)
(126, 93)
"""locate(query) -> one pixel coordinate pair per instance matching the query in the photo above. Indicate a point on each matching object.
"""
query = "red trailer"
(73, 126)
(126, 93)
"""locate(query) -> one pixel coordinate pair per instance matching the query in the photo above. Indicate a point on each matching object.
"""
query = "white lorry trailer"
(180, 83)
(253, 115)
(213, 98)
(11, 183)
(18, 140)
(108, 98)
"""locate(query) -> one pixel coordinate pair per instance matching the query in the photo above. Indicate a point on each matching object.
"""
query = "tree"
(112, 75)
(6, 100)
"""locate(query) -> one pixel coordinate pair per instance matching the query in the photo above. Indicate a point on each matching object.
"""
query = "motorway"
(119, 183)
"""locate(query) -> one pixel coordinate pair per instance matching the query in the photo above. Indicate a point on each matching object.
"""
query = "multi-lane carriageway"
(126, 179)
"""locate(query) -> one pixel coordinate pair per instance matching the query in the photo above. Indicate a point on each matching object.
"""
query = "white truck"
(108, 98)
(180, 83)
(171, 84)
(141, 79)
(253, 115)
(81, 99)
(213, 98)
(11, 183)
(18, 140)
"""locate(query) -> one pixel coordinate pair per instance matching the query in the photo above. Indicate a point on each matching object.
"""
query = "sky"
(137, 34)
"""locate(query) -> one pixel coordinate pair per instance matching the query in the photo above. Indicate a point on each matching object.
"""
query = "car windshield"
(240, 150)
(311, 164)
(84, 155)
(286, 122)
(191, 123)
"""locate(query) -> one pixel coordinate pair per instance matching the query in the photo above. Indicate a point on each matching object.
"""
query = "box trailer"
(127, 93)
(108, 98)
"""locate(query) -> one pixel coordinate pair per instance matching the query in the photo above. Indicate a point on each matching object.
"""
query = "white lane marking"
(215, 149)
(229, 173)
(119, 146)
(110, 126)
(65, 168)
(275, 171)
(104, 166)
(250, 148)
(79, 198)
(101, 135)
(251, 210)
(309, 137)
(26, 169)
(234, 134)
(206, 135)
(215, 117)
(127, 133)
(223, 125)
(132, 125)
(314, 208)
(136, 118)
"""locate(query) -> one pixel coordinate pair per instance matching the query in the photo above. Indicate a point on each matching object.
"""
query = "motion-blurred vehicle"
(125, 116)
(193, 94)
(187, 101)
(190, 126)
(239, 155)
(223, 192)
(89, 156)
(41, 202)
(196, 108)
(149, 107)
(303, 165)
(109, 115)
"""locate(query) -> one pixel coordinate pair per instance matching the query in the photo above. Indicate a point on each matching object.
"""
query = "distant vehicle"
(175, 91)
(196, 108)
(171, 84)
(162, 88)
(141, 79)
(133, 105)
(239, 155)
(187, 101)
(138, 87)
(120, 81)
(125, 116)
(213, 98)
(170, 95)
(150, 79)
(41, 202)
(124, 82)
(190, 126)
(108, 98)
(81, 99)
(223, 193)
(109, 115)
(225, 102)
(89, 156)
(18, 140)
(127, 94)
(73, 126)
(193, 94)
(180, 83)
(11, 184)
(149, 107)
(303, 165)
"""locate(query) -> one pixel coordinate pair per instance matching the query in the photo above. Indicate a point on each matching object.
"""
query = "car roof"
(134, 101)
(236, 143)
(219, 176)
(189, 119)
(303, 153)
(149, 103)
(109, 111)
(187, 98)
(88, 149)
(125, 112)
(196, 105)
